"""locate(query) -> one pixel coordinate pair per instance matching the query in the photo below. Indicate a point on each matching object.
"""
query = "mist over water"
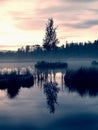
(29, 108)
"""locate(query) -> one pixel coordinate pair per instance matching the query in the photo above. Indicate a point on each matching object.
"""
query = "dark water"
(29, 109)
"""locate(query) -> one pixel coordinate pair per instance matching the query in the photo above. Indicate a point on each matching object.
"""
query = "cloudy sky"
(23, 21)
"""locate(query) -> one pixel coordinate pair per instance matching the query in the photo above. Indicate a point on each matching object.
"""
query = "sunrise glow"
(23, 22)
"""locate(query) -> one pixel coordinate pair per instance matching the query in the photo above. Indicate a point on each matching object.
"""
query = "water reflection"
(84, 81)
(47, 75)
(49, 80)
(14, 88)
(51, 90)
(25, 113)
(13, 81)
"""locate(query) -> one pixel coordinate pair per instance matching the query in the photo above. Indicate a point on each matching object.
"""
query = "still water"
(28, 109)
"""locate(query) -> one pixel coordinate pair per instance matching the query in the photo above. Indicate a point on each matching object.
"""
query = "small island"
(94, 62)
(16, 78)
(51, 65)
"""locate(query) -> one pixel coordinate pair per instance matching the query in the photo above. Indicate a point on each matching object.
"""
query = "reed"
(43, 64)
(83, 80)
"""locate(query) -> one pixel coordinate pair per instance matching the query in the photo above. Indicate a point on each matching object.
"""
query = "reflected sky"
(29, 110)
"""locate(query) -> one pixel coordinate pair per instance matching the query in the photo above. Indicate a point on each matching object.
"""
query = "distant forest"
(88, 49)
(50, 48)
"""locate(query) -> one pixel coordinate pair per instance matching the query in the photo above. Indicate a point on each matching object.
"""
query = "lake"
(30, 108)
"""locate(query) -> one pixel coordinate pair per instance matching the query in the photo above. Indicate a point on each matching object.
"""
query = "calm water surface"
(28, 110)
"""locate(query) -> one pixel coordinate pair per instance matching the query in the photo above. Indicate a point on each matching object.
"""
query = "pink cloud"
(32, 15)
(29, 24)
(26, 20)
(4, 1)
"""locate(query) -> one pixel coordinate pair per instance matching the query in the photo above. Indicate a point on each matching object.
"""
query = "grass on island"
(6, 79)
(94, 62)
(53, 65)
(83, 80)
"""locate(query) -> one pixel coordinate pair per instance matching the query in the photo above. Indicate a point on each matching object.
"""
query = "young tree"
(50, 41)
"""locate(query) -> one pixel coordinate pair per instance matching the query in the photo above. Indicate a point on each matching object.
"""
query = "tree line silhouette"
(50, 47)
(87, 49)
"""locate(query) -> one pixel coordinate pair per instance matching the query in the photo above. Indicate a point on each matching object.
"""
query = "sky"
(23, 22)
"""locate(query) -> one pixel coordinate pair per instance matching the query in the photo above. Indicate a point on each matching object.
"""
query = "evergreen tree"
(50, 41)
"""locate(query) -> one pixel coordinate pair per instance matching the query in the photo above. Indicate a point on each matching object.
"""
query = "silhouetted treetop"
(50, 41)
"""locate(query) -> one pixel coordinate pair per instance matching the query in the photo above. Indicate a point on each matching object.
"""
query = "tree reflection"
(47, 79)
(51, 90)
(44, 75)
(12, 83)
(84, 81)
(13, 90)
